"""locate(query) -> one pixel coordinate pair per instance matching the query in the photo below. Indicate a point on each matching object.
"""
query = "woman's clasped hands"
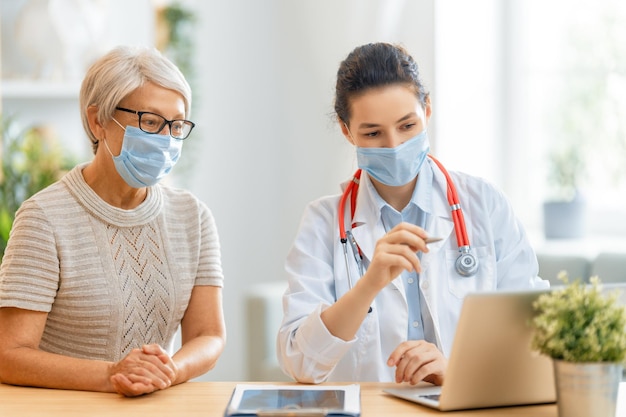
(143, 371)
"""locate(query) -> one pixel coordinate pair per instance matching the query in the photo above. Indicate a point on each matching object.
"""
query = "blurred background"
(529, 94)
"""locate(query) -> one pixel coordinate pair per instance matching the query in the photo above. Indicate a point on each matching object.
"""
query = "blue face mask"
(395, 166)
(145, 158)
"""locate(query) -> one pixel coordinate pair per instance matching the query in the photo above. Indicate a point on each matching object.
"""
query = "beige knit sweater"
(110, 279)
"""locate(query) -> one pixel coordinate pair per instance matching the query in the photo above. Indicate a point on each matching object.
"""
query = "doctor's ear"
(346, 131)
(428, 110)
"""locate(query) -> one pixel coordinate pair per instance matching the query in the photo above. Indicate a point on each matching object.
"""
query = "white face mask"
(145, 158)
(395, 166)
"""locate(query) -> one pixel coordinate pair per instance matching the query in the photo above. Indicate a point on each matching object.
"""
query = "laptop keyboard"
(434, 397)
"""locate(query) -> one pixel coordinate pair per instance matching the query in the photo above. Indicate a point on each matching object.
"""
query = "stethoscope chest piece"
(466, 264)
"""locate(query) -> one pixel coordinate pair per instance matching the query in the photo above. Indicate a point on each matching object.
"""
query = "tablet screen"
(268, 399)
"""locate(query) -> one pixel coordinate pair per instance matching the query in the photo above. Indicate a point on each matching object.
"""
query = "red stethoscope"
(466, 264)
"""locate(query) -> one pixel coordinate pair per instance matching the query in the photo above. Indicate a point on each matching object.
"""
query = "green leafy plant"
(175, 25)
(567, 169)
(30, 160)
(578, 323)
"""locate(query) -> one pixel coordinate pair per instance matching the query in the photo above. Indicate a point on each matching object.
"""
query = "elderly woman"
(105, 265)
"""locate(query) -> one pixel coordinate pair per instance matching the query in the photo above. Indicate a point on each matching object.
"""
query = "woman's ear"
(94, 124)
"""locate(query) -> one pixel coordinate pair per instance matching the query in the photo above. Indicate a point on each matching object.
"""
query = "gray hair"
(120, 72)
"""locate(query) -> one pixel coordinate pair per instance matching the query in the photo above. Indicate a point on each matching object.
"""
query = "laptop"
(491, 363)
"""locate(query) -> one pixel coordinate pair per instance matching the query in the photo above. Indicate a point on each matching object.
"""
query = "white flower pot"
(587, 389)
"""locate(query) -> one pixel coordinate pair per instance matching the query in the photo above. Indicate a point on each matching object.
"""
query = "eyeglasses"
(154, 123)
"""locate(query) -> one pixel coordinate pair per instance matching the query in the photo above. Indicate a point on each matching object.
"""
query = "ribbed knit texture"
(110, 279)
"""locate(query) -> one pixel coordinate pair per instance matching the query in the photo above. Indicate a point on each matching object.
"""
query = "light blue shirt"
(420, 325)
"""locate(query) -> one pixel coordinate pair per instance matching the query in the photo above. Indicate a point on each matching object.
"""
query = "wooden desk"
(209, 399)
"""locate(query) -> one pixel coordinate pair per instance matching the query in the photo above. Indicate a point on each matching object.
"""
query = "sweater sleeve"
(210, 264)
(29, 274)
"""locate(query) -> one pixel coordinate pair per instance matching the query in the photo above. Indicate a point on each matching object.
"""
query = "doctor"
(368, 299)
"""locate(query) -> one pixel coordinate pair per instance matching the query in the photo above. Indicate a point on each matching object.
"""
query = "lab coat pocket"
(483, 280)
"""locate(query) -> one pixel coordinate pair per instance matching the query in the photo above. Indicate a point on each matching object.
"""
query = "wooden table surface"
(208, 399)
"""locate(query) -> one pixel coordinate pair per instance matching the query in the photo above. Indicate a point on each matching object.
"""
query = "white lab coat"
(317, 277)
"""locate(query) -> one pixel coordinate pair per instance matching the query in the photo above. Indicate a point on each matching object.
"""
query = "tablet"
(310, 400)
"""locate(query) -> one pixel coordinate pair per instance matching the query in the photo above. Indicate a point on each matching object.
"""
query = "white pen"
(432, 239)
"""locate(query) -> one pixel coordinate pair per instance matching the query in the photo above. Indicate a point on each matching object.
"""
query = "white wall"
(266, 141)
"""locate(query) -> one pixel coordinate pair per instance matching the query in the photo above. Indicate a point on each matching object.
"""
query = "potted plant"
(564, 213)
(584, 332)
(30, 160)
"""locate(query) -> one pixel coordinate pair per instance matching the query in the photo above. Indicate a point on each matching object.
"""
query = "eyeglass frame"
(165, 122)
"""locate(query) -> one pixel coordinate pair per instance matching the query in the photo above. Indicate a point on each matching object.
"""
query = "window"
(522, 80)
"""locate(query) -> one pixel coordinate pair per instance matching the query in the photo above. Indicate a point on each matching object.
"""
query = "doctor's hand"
(418, 360)
(396, 252)
(143, 371)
